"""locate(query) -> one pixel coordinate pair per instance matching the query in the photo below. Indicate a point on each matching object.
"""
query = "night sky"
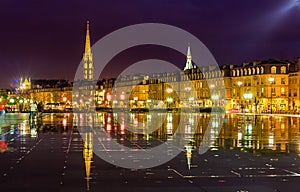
(45, 39)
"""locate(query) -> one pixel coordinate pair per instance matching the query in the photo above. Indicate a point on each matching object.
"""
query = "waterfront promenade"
(50, 155)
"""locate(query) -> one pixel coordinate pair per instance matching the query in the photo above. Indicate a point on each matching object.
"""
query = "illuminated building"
(258, 86)
(261, 86)
(84, 87)
(294, 88)
(88, 66)
(25, 84)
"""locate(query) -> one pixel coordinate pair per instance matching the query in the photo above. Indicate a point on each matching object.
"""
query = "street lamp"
(169, 100)
(239, 83)
(271, 80)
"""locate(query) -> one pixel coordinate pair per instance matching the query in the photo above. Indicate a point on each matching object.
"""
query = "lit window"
(233, 73)
(283, 69)
(262, 70)
(249, 71)
(282, 90)
(245, 71)
(282, 80)
(253, 71)
(273, 90)
(257, 70)
(237, 73)
(273, 70)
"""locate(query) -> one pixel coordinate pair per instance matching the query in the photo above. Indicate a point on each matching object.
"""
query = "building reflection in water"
(256, 134)
(86, 123)
(88, 156)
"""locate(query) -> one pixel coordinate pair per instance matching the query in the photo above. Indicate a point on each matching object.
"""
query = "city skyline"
(48, 44)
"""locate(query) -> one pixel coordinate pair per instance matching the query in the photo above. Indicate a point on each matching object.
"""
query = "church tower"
(88, 66)
(188, 64)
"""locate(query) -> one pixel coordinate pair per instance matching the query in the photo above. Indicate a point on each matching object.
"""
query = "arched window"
(233, 73)
(262, 70)
(282, 69)
(273, 70)
(245, 71)
(249, 71)
(257, 70)
(253, 71)
(241, 72)
(237, 72)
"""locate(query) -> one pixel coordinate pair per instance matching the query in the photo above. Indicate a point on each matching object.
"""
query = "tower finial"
(87, 37)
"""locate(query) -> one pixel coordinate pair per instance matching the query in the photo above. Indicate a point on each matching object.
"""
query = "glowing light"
(64, 99)
(188, 89)
(64, 122)
(169, 90)
(108, 127)
(170, 128)
(108, 97)
(169, 99)
(215, 97)
(122, 129)
(271, 141)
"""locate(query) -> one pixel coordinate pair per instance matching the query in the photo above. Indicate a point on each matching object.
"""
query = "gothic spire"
(87, 38)
(188, 64)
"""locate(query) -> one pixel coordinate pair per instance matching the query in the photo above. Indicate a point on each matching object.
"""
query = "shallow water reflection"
(255, 132)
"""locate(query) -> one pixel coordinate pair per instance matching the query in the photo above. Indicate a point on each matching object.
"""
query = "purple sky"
(46, 40)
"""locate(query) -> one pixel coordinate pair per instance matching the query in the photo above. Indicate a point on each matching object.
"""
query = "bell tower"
(88, 66)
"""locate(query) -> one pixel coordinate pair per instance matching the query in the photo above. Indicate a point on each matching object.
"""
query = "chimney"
(255, 63)
(245, 64)
(298, 64)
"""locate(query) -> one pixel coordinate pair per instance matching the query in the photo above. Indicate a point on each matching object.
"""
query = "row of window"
(257, 71)
(248, 83)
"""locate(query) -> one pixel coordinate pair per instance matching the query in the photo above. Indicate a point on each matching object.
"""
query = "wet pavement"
(49, 154)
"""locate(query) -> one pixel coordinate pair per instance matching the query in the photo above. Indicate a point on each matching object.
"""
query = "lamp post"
(271, 80)
(239, 83)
